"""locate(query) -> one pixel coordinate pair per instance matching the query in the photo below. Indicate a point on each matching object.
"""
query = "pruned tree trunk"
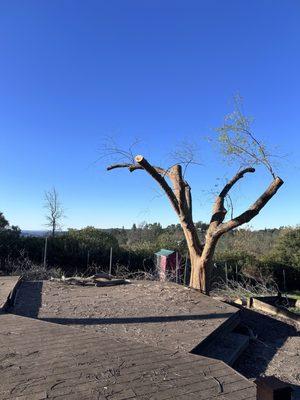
(197, 278)
(179, 195)
(195, 249)
(202, 265)
(207, 263)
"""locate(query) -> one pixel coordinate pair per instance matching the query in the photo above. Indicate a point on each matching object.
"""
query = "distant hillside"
(33, 233)
(27, 233)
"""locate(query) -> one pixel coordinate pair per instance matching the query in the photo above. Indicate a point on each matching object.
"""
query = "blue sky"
(75, 72)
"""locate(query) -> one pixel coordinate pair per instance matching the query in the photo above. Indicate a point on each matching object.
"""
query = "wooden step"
(227, 347)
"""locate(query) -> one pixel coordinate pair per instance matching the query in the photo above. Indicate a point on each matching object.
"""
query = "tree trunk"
(206, 262)
(197, 278)
(202, 265)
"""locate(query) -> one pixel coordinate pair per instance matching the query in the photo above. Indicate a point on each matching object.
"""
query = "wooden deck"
(93, 359)
(42, 360)
(158, 314)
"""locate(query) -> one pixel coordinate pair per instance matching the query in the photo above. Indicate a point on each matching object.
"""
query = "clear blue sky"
(73, 72)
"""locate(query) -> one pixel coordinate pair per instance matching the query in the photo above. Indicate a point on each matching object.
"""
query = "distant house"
(166, 261)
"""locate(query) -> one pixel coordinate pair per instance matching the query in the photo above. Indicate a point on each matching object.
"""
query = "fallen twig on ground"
(101, 279)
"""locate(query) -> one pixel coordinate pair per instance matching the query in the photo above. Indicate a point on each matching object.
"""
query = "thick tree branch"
(188, 197)
(253, 210)
(179, 187)
(157, 174)
(233, 181)
(219, 210)
(182, 192)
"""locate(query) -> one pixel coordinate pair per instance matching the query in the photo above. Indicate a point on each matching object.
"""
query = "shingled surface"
(42, 360)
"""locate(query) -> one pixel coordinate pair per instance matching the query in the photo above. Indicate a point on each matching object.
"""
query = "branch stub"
(138, 158)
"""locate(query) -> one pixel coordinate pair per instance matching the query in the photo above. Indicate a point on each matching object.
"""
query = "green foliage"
(9, 240)
(92, 238)
(264, 253)
(287, 249)
(238, 143)
(3, 221)
(257, 243)
(170, 241)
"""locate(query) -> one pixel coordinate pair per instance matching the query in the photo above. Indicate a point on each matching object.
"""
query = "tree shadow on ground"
(134, 320)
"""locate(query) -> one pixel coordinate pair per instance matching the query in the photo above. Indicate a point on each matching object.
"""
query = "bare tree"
(238, 143)
(55, 211)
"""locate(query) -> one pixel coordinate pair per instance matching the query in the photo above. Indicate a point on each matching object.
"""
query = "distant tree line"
(274, 252)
